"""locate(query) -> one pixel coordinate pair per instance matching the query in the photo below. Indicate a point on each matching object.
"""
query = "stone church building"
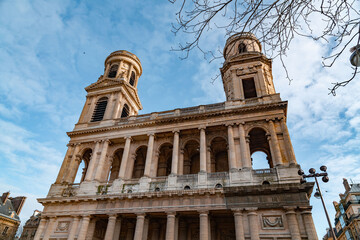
(181, 174)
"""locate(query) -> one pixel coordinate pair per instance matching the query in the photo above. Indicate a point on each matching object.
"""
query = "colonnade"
(81, 228)
(237, 158)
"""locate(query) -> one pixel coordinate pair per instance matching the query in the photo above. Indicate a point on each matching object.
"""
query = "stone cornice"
(185, 117)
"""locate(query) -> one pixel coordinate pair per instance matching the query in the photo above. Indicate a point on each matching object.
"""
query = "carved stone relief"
(272, 221)
(63, 226)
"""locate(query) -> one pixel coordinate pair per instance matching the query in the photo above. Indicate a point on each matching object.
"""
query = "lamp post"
(325, 178)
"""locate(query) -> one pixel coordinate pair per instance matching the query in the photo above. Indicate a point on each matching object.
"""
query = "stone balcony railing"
(181, 112)
(245, 177)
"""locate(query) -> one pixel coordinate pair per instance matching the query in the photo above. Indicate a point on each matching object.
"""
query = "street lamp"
(355, 56)
(318, 194)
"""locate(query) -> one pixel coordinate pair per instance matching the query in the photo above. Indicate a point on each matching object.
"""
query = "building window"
(249, 88)
(125, 112)
(5, 231)
(113, 71)
(99, 110)
(348, 235)
(242, 48)
(341, 209)
(342, 222)
(132, 79)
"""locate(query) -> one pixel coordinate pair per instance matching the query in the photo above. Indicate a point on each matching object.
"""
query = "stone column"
(65, 164)
(40, 228)
(125, 158)
(181, 162)
(175, 153)
(244, 151)
(149, 155)
(239, 226)
(100, 167)
(92, 164)
(74, 228)
(287, 141)
(208, 158)
(117, 229)
(309, 224)
(275, 144)
(204, 225)
(50, 228)
(91, 229)
(292, 223)
(71, 171)
(84, 227)
(202, 150)
(154, 164)
(170, 226)
(145, 229)
(232, 157)
(140, 219)
(130, 231)
(254, 226)
(109, 234)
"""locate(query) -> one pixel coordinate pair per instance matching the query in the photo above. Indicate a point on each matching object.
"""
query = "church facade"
(181, 174)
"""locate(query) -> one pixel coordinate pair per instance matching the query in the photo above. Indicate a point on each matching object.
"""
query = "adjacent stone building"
(347, 217)
(31, 225)
(184, 173)
(10, 209)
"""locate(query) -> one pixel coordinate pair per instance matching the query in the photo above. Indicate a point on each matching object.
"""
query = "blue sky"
(51, 50)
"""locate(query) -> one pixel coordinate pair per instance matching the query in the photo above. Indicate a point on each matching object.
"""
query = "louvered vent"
(132, 79)
(125, 111)
(113, 71)
(99, 110)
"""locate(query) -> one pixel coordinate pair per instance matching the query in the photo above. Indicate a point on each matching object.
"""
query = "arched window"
(113, 71)
(191, 158)
(132, 79)
(83, 166)
(219, 155)
(99, 109)
(242, 48)
(139, 164)
(115, 166)
(125, 112)
(165, 159)
(260, 149)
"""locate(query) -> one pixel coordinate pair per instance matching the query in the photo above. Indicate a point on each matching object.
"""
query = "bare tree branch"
(274, 22)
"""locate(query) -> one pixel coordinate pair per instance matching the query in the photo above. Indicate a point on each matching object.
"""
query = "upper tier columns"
(100, 167)
(170, 226)
(239, 226)
(175, 153)
(65, 164)
(275, 144)
(72, 166)
(244, 149)
(74, 228)
(149, 155)
(232, 157)
(309, 224)
(92, 164)
(202, 150)
(139, 229)
(287, 141)
(125, 158)
(84, 227)
(253, 221)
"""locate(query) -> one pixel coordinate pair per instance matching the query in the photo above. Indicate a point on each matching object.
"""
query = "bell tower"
(246, 72)
(114, 95)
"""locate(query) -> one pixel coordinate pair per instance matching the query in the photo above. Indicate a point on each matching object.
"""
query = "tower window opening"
(249, 88)
(260, 149)
(113, 71)
(125, 112)
(242, 48)
(83, 166)
(132, 79)
(99, 110)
